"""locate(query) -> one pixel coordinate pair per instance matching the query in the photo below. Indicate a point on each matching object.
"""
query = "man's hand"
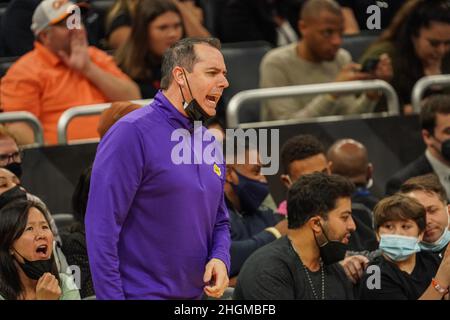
(215, 278)
(190, 8)
(354, 267)
(79, 59)
(47, 288)
(351, 72)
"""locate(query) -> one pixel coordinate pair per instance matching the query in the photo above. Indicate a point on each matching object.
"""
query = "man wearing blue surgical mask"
(431, 194)
(252, 225)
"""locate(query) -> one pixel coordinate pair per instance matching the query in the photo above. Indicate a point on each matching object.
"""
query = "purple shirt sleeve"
(114, 182)
(222, 235)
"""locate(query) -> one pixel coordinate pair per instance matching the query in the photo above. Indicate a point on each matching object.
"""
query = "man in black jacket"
(435, 122)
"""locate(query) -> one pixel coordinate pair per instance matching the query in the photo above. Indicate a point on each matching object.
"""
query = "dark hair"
(182, 54)
(432, 105)
(407, 23)
(311, 8)
(298, 148)
(315, 195)
(428, 183)
(13, 220)
(80, 195)
(399, 207)
(135, 57)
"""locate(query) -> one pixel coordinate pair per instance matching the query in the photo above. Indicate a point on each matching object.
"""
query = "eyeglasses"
(15, 156)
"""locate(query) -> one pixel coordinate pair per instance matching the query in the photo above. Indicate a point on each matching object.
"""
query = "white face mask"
(440, 243)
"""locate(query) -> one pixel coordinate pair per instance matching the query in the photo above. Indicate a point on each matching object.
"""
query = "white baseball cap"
(50, 12)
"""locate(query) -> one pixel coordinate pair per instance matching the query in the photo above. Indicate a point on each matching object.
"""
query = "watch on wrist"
(438, 287)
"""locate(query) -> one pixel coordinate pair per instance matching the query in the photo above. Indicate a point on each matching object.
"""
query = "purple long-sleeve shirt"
(152, 225)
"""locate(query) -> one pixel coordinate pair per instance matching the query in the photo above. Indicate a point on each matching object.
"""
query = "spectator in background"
(253, 20)
(251, 225)
(216, 128)
(11, 190)
(356, 15)
(406, 273)
(418, 43)
(123, 13)
(74, 239)
(18, 38)
(28, 266)
(157, 24)
(431, 194)
(349, 158)
(435, 123)
(300, 155)
(118, 22)
(112, 114)
(317, 58)
(59, 73)
(304, 154)
(302, 265)
(10, 154)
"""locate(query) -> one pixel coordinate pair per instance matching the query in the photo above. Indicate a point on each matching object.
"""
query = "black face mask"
(194, 111)
(16, 168)
(35, 269)
(445, 149)
(331, 251)
(251, 193)
(12, 194)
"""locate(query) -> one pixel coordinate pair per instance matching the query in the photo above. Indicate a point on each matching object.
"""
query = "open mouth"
(212, 98)
(42, 250)
(346, 239)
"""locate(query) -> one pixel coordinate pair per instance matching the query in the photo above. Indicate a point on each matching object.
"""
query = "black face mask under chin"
(16, 168)
(35, 269)
(194, 111)
(445, 149)
(331, 251)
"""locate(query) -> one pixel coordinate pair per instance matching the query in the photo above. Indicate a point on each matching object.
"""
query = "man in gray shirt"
(317, 58)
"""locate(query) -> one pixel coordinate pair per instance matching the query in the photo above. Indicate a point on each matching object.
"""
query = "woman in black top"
(74, 239)
(403, 272)
(156, 26)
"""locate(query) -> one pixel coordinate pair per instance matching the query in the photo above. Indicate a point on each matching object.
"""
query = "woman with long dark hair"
(27, 266)
(418, 42)
(157, 24)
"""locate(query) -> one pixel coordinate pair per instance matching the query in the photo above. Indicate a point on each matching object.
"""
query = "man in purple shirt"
(156, 229)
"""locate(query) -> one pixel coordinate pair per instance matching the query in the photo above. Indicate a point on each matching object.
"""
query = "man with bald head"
(317, 58)
(349, 158)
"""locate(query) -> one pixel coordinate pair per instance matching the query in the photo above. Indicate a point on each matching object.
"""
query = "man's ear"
(314, 224)
(427, 137)
(421, 235)
(369, 173)
(286, 181)
(377, 235)
(330, 167)
(178, 76)
(301, 25)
